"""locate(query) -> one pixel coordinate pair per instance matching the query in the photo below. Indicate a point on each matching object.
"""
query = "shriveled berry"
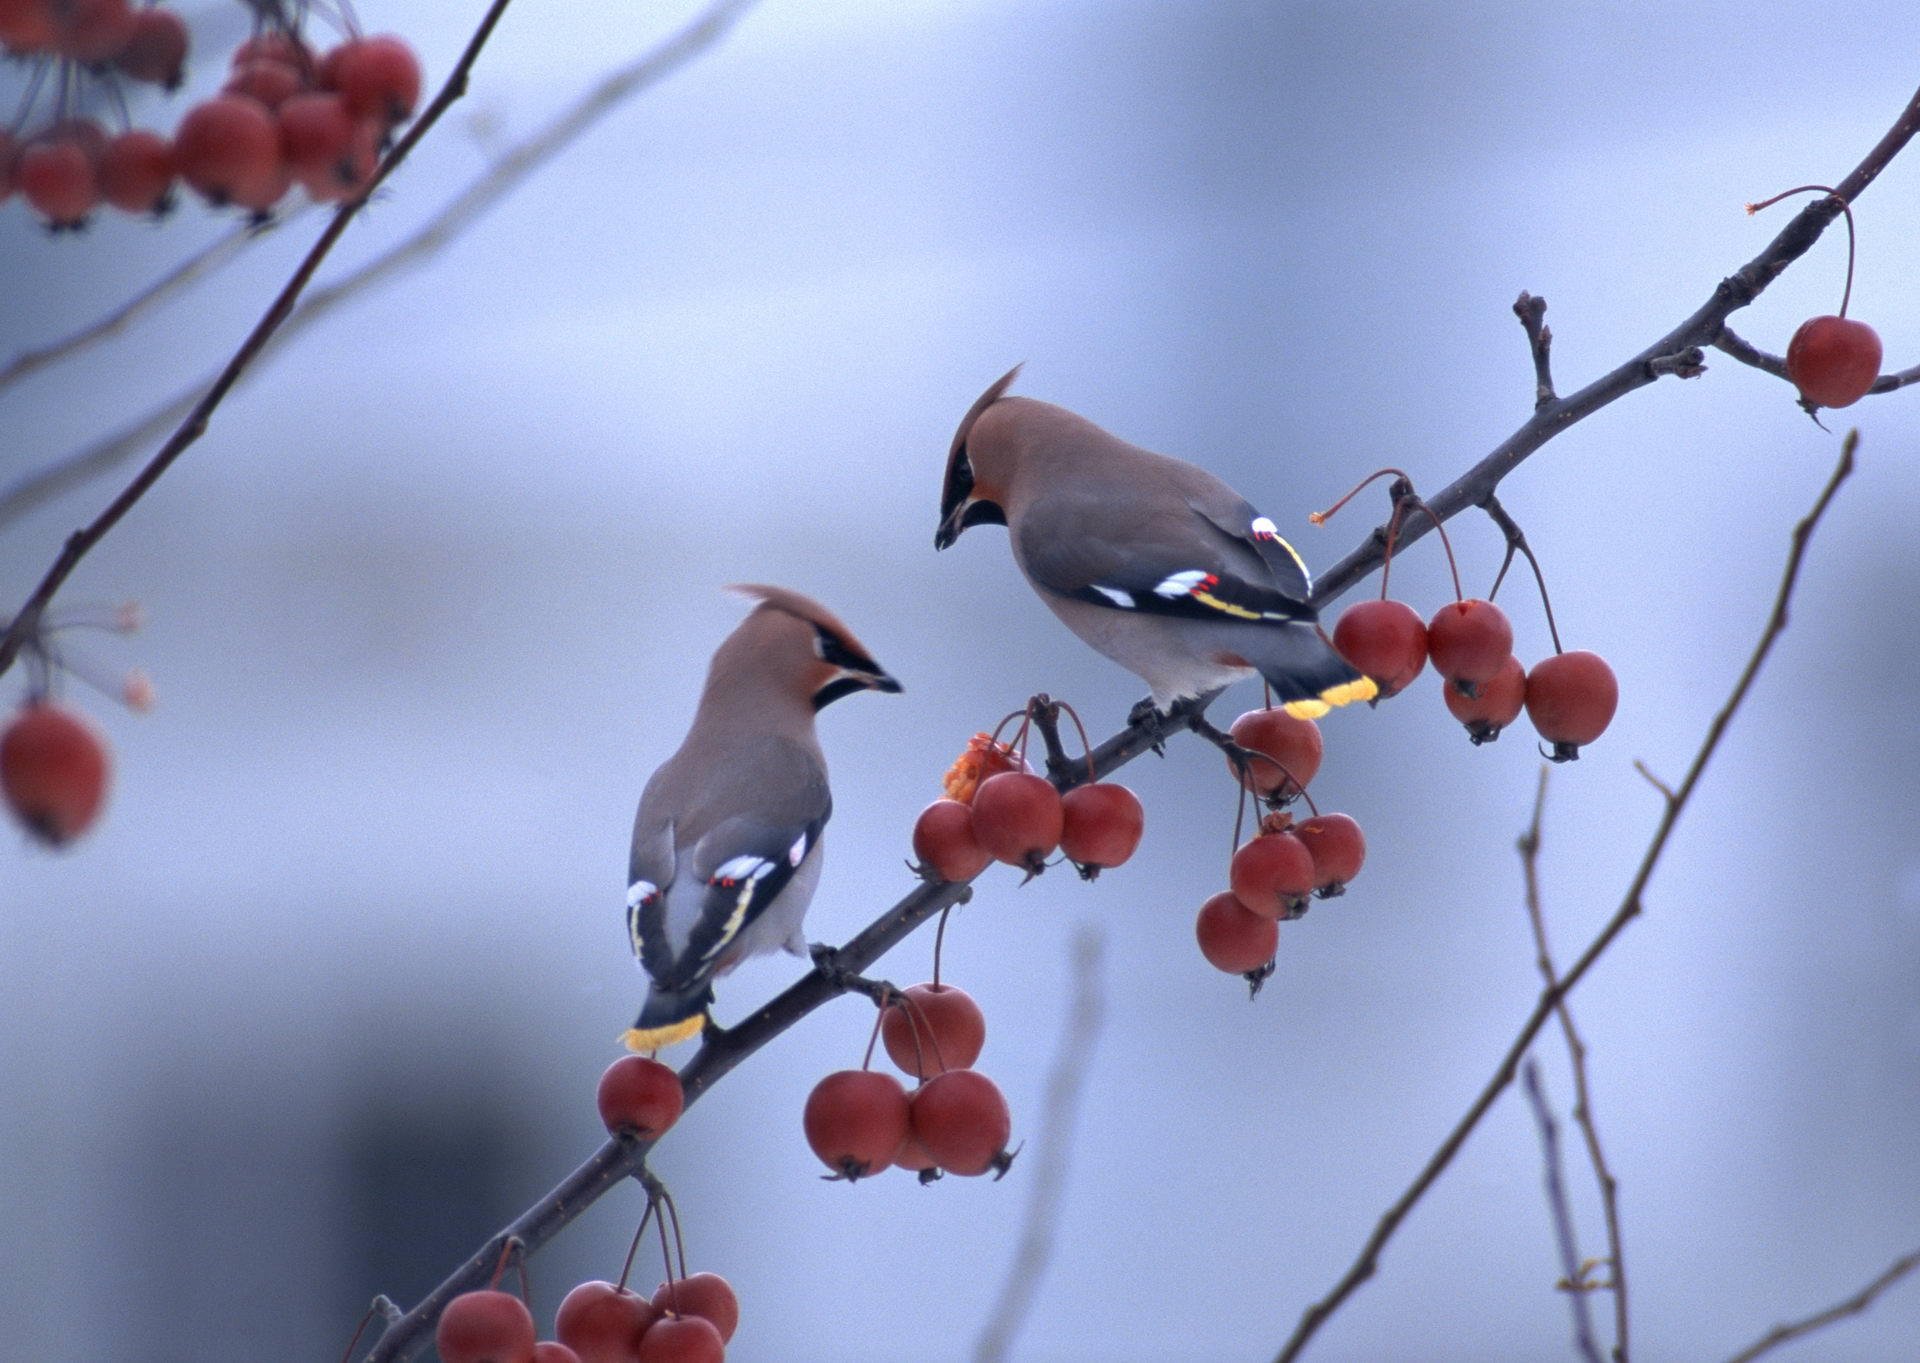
(962, 1120)
(855, 1120)
(1833, 361)
(1018, 818)
(53, 771)
(1232, 937)
(1496, 706)
(640, 1095)
(707, 1295)
(938, 1027)
(1290, 750)
(1469, 641)
(1338, 849)
(981, 758)
(602, 1322)
(944, 842)
(1387, 640)
(1571, 698)
(1272, 874)
(485, 1327)
(1102, 826)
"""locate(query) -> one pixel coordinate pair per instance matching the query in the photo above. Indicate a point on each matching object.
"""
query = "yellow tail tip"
(1362, 688)
(641, 1040)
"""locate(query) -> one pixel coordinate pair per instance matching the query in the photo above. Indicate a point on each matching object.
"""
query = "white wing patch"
(638, 894)
(744, 867)
(1264, 529)
(1124, 600)
(1180, 584)
(797, 851)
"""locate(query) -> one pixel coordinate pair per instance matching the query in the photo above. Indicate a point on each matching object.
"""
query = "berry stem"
(1086, 746)
(360, 1329)
(939, 940)
(500, 1264)
(866, 1061)
(1322, 517)
(666, 1255)
(1517, 541)
(679, 1242)
(1846, 294)
(633, 1246)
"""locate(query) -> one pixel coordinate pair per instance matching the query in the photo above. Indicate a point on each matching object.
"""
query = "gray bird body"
(726, 841)
(1153, 562)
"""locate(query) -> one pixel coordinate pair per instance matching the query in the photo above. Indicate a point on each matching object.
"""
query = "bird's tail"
(1307, 676)
(669, 1015)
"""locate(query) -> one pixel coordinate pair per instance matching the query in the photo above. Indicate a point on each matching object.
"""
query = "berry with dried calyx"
(1469, 641)
(1833, 361)
(962, 1120)
(58, 178)
(1018, 818)
(945, 843)
(156, 49)
(53, 772)
(1233, 938)
(935, 1027)
(1497, 704)
(378, 77)
(1337, 847)
(1101, 827)
(228, 149)
(707, 1295)
(1293, 746)
(1571, 698)
(1272, 872)
(639, 1096)
(1385, 639)
(137, 171)
(854, 1120)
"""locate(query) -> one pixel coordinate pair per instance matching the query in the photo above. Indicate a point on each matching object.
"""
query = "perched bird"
(726, 843)
(1155, 563)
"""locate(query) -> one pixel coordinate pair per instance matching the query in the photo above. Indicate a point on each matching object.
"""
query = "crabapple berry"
(271, 82)
(1496, 706)
(641, 1096)
(1102, 826)
(1272, 874)
(1571, 698)
(1232, 937)
(1338, 849)
(602, 1322)
(681, 1339)
(938, 1028)
(1387, 640)
(944, 842)
(1468, 642)
(707, 1295)
(552, 1351)
(855, 1120)
(1018, 818)
(378, 77)
(58, 178)
(53, 772)
(136, 171)
(228, 148)
(485, 1327)
(1833, 361)
(1293, 744)
(156, 49)
(962, 1120)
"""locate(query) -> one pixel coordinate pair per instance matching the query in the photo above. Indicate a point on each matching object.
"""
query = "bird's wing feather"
(742, 866)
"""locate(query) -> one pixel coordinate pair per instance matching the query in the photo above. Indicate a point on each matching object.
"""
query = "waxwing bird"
(726, 843)
(1155, 563)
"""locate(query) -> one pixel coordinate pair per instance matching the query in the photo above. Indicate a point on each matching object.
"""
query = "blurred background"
(323, 1000)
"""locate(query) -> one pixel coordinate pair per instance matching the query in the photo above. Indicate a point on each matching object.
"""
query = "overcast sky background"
(323, 1000)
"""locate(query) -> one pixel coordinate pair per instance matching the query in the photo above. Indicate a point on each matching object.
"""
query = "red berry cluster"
(860, 1122)
(287, 115)
(1273, 873)
(998, 809)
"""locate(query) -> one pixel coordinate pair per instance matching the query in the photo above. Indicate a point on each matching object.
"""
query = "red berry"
(9, 152)
(551, 1351)
(228, 149)
(59, 180)
(485, 1327)
(1469, 641)
(1833, 361)
(706, 1295)
(1293, 744)
(1384, 639)
(938, 1028)
(53, 771)
(640, 1095)
(962, 1120)
(915, 1158)
(1272, 874)
(603, 1323)
(1338, 849)
(315, 130)
(91, 31)
(1571, 698)
(1496, 706)
(944, 842)
(1102, 826)
(379, 77)
(136, 172)
(272, 83)
(156, 50)
(855, 1120)
(681, 1339)
(1233, 938)
(1018, 818)
(274, 45)
(26, 26)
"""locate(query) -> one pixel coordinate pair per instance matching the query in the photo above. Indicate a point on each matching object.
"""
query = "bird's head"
(802, 648)
(979, 468)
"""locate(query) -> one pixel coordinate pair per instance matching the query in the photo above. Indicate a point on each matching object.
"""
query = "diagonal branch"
(26, 622)
(1571, 1275)
(1364, 1266)
(1852, 1306)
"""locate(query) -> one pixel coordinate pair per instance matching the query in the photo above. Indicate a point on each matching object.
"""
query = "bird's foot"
(826, 960)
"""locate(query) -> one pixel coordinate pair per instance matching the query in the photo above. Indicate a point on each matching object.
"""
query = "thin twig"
(1365, 1264)
(1733, 345)
(495, 183)
(1529, 846)
(1532, 313)
(1049, 1167)
(1702, 328)
(1852, 1306)
(1570, 1274)
(26, 621)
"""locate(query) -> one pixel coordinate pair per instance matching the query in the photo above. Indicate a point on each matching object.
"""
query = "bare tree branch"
(1049, 1166)
(1571, 1275)
(1367, 1262)
(1852, 1306)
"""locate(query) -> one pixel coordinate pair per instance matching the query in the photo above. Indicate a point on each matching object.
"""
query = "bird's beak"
(883, 682)
(950, 526)
(967, 512)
